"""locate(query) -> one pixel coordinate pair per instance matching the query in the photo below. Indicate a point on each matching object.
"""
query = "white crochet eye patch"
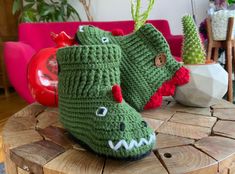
(81, 28)
(105, 40)
(101, 111)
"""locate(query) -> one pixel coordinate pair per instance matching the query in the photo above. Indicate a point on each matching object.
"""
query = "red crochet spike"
(117, 32)
(117, 93)
(155, 101)
(180, 77)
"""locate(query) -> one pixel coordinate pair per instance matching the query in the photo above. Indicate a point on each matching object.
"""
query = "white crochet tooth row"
(133, 143)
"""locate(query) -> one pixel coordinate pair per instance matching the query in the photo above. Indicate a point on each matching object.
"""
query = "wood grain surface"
(187, 159)
(150, 165)
(183, 130)
(74, 162)
(189, 141)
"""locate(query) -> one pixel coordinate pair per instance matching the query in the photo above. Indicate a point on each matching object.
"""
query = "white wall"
(172, 10)
(201, 7)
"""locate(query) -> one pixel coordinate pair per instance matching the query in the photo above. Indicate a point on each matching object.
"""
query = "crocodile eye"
(105, 40)
(101, 111)
(122, 126)
(144, 123)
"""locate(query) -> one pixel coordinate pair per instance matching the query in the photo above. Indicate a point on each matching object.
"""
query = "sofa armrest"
(16, 57)
(175, 42)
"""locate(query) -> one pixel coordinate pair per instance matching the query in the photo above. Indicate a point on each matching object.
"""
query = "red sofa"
(35, 36)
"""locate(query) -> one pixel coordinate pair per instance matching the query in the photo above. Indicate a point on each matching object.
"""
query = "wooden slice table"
(189, 140)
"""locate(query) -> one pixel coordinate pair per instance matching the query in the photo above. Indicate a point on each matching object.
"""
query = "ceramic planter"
(220, 24)
(208, 83)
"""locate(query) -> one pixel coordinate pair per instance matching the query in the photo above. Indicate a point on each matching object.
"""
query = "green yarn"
(86, 77)
(193, 51)
(140, 78)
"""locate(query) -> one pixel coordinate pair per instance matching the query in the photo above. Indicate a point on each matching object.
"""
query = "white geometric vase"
(208, 84)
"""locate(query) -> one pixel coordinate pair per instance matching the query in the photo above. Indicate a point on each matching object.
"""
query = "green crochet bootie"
(91, 105)
(148, 70)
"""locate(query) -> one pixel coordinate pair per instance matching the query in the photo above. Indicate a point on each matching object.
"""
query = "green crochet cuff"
(90, 60)
(83, 56)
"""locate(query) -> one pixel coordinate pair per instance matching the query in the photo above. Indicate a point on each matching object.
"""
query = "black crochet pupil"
(144, 123)
(122, 126)
(76, 39)
(101, 111)
(58, 68)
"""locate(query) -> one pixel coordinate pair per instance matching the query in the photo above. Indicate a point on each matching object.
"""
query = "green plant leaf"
(74, 12)
(29, 0)
(28, 6)
(54, 2)
(45, 10)
(29, 16)
(16, 6)
(231, 2)
(68, 11)
(60, 18)
(139, 18)
(64, 2)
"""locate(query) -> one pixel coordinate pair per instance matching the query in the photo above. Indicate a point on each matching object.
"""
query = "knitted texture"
(193, 51)
(91, 105)
(142, 51)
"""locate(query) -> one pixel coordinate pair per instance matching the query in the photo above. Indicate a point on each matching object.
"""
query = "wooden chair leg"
(209, 52)
(233, 58)
(216, 54)
(229, 69)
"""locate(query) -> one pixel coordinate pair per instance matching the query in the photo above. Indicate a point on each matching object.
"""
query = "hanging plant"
(45, 11)
(138, 17)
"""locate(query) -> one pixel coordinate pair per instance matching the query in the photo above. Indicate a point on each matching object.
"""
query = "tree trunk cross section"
(189, 141)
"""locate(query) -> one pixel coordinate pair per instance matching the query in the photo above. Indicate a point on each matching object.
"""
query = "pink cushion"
(16, 57)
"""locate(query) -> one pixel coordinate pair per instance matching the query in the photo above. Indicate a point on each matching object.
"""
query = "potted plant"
(208, 80)
(45, 11)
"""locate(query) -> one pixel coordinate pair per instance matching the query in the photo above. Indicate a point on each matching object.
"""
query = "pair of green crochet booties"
(90, 97)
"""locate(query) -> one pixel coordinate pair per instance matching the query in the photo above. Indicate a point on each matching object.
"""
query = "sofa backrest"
(38, 34)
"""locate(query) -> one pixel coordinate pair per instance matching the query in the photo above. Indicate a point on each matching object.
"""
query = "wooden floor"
(8, 106)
